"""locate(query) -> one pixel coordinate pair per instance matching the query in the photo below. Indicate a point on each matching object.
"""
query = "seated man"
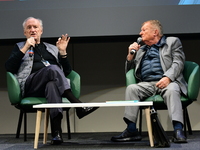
(158, 67)
(41, 69)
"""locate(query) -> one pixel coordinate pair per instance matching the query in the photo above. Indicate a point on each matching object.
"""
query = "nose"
(32, 29)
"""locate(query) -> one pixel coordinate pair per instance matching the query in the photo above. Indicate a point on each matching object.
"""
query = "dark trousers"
(49, 82)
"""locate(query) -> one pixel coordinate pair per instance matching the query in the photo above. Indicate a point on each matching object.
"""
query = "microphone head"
(139, 40)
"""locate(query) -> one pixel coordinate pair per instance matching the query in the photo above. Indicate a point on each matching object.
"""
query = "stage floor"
(92, 141)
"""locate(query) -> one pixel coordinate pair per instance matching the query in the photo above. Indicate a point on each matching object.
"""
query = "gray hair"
(157, 25)
(40, 21)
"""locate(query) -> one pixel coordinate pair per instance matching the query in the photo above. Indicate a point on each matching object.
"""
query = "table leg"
(149, 127)
(46, 122)
(37, 128)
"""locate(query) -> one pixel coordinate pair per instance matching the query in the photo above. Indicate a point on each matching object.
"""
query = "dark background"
(100, 60)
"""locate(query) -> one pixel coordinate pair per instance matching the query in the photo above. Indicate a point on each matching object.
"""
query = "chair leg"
(19, 124)
(184, 122)
(188, 121)
(68, 124)
(46, 123)
(149, 126)
(25, 126)
(37, 128)
(140, 122)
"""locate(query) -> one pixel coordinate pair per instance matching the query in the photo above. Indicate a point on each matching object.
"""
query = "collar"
(160, 43)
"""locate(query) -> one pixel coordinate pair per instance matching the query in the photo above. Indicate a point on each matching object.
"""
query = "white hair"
(40, 21)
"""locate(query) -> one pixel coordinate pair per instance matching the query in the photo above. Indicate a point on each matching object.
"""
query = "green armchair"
(25, 105)
(191, 75)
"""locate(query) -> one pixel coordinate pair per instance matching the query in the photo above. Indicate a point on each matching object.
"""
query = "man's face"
(33, 29)
(147, 33)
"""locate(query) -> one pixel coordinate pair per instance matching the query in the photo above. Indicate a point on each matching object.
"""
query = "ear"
(41, 30)
(25, 33)
(156, 33)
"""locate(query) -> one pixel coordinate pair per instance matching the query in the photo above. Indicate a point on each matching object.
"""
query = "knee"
(172, 90)
(53, 71)
(130, 88)
(51, 84)
(172, 93)
(53, 68)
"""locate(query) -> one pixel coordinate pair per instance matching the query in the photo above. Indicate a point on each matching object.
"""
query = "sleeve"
(129, 65)
(14, 61)
(178, 59)
(65, 65)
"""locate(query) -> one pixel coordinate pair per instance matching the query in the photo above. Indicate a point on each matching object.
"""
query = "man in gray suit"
(158, 67)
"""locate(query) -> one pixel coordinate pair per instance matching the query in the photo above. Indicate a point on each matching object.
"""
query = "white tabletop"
(97, 104)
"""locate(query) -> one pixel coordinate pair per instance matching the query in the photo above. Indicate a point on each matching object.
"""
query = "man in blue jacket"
(158, 67)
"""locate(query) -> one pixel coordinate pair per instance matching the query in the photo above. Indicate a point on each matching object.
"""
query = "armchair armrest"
(130, 78)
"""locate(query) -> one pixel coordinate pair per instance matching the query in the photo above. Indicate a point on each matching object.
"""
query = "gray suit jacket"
(172, 60)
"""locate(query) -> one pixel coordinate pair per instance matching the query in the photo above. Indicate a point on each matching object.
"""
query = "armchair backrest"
(191, 74)
(14, 91)
(75, 83)
(192, 77)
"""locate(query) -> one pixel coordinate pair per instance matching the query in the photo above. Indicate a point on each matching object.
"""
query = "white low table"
(39, 108)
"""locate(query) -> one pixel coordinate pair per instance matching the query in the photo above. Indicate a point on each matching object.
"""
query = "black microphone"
(31, 52)
(139, 40)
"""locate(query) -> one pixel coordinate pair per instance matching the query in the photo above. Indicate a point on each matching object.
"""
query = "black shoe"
(179, 137)
(83, 111)
(126, 136)
(57, 138)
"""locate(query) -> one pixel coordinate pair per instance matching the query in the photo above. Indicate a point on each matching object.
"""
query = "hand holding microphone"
(133, 51)
(30, 42)
(30, 51)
